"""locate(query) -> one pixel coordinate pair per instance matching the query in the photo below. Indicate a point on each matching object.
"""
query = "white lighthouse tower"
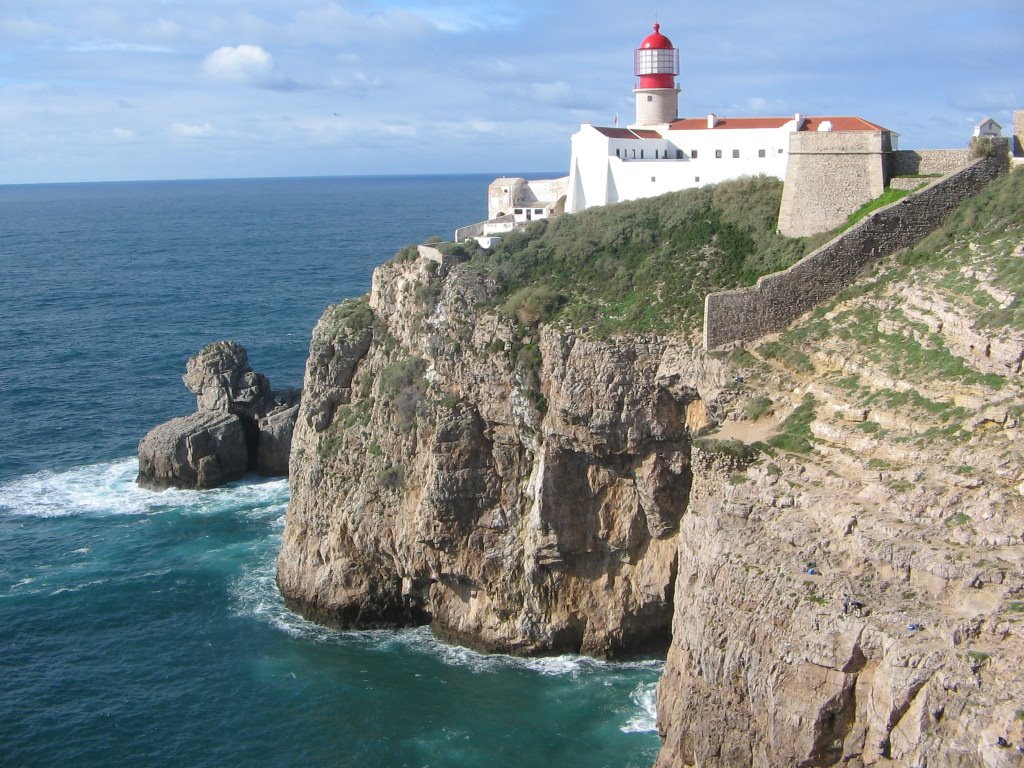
(656, 64)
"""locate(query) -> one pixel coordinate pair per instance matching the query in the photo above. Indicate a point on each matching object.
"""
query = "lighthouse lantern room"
(656, 64)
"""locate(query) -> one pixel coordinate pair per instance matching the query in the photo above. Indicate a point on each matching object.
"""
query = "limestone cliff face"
(854, 596)
(521, 491)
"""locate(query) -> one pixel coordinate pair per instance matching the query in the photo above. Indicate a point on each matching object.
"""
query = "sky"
(94, 90)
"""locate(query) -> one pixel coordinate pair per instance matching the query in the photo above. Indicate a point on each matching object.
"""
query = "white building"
(661, 153)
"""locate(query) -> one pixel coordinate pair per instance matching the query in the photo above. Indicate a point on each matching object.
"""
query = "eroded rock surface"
(522, 495)
(204, 450)
(240, 425)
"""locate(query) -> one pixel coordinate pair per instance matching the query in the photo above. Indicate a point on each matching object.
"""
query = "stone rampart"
(927, 162)
(779, 299)
(1018, 133)
(829, 176)
(472, 230)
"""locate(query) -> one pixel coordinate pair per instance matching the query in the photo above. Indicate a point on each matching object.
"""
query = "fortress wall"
(1018, 134)
(548, 190)
(502, 194)
(829, 176)
(779, 299)
(925, 162)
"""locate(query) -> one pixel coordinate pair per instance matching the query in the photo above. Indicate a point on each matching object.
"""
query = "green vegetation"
(1015, 606)
(958, 519)
(787, 356)
(795, 435)
(757, 407)
(391, 477)
(886, 198)
(645, 265)
(741, 453)
(403, 384)
(350, 317)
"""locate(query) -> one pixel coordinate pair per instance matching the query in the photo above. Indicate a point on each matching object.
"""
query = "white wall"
(598, 177)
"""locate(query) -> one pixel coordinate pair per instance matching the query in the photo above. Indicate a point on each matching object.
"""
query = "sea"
(143, 628)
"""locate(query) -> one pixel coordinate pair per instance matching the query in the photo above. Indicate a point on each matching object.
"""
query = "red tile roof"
(701, 123)
(737, 123)
(626, 133)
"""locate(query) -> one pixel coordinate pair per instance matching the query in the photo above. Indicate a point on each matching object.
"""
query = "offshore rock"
(236, 411)
(204, 450)
(522, 495)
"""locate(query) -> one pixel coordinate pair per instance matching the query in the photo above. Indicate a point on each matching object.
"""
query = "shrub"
(757, 407)
(391, 477)
(403, 383)
(532, 304)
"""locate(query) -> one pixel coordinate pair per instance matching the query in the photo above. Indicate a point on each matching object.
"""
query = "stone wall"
(829, 176)
(923, 162)
(1018, 133)
(779, 299)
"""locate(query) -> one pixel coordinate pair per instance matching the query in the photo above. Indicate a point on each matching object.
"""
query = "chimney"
(799, 120)
(712, 119)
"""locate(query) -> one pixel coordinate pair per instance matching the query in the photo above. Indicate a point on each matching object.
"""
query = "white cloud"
(192, 131)
(116, 46)
(124, 134)
(246, 65)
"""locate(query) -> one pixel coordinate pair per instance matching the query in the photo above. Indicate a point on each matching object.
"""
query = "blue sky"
(160, 89)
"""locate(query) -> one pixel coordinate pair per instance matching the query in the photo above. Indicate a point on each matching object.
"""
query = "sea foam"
(109, 488)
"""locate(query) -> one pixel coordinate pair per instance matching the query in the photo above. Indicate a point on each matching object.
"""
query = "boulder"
(275, 440)
(203, 450)
(222, 381)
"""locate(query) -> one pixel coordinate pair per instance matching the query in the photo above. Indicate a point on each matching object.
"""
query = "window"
(760, 153)
(652, 178)
(718, 153)
(519, 211)
(634, 154)
(679, 154)
(735, 153)
(538, 211)
(697, 179)
(616, 152)
(780, 151)
(693, 154)
(650, 98)
(641, 154)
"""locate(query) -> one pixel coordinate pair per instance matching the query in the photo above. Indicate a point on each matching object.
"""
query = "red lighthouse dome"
(656, 39)
(656, 61)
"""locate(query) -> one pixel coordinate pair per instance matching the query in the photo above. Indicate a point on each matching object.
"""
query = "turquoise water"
(142, 628)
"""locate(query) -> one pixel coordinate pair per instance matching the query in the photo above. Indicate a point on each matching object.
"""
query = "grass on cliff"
(645, 265)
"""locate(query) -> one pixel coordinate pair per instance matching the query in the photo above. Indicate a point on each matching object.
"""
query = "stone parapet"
(926, 162)
(779, 299)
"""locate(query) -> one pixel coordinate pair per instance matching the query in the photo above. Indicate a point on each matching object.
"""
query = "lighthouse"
(656, 64)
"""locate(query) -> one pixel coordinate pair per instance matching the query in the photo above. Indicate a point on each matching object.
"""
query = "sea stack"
(240, 425)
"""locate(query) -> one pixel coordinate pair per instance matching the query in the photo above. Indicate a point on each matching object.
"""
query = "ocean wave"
(109, 489)
(645, 697)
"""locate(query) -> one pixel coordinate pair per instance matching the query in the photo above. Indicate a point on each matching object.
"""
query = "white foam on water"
(79, 587)
(645, 697)
(109, 489)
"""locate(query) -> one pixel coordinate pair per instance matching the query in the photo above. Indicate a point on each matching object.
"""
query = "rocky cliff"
(519, 488)
(830, 522)
(851, 564)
